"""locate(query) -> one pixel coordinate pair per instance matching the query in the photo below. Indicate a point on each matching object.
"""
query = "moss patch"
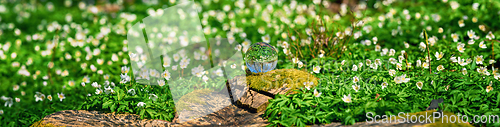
(291, 78)
(193, 97)
(41, 124)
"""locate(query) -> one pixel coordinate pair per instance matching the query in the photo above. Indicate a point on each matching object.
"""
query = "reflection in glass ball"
(261, 57)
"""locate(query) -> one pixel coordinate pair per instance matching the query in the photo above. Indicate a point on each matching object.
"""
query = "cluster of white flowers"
(108, 87)
(40, 97)
(8, 101)
(74, 41)
(198, 71)
(124, 77)
(401, 79)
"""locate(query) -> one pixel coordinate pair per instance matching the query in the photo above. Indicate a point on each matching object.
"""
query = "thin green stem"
(428, 52)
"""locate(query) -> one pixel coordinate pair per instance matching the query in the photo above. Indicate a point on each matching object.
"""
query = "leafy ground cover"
(403, 57)
(384, 57)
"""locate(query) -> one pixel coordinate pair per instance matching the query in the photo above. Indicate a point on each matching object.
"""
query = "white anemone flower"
(347, 99)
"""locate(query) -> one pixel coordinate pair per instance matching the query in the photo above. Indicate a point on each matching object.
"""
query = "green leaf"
(130, 98)
(121, 108)
(113, 107)
(453, 92)
(473, 66)
(119, 94)
(151, 112)
(498, 99)
(107, 104)
(403, 94)
(347, 120)
(142, 113)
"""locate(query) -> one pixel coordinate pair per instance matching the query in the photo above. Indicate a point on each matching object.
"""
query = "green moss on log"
(291, 78)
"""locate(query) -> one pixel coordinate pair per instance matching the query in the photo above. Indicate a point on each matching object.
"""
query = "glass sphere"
(261, 57)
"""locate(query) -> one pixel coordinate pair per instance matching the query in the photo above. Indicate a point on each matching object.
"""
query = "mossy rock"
(279, 78)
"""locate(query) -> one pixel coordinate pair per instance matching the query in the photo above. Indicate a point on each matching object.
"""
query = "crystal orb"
(261, 57)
